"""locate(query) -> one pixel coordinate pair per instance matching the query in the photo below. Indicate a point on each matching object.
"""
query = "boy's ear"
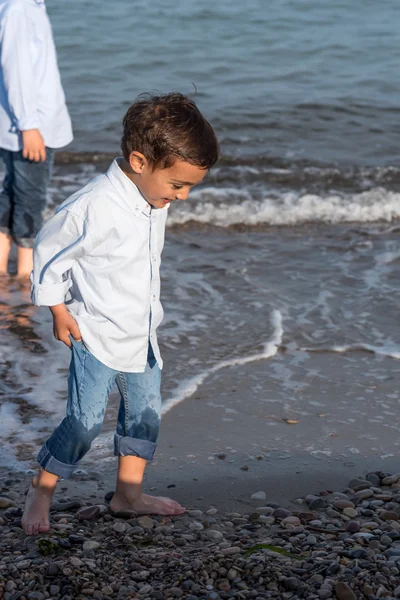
(137, 161)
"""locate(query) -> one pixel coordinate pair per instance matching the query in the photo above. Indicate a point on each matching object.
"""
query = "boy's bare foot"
(37, 505)
(146, 505)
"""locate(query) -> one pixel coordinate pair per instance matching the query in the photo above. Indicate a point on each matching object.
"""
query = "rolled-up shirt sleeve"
(61, 242)
(18, 72)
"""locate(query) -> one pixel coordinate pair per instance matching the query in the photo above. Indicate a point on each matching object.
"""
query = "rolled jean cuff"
(128, 446)
(24, 242)
(52, 465)
(5, 230)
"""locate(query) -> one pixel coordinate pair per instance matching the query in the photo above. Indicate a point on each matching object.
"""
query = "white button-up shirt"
(31, 94)
(101, 254)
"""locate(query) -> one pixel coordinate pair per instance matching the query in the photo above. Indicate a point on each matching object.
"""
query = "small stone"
(23, 564)
(281, 513)
(388, 515)
(265, 510)
(6, 502)
(196, 526)
(374, 479)
(90, 545)
(223, 585)
(385, 540)
(36, 596)
(350, 512)
(342, 504)
(258, 496)
(291, 520)
(311, 540)
(212, 511)
(344, 592)
(266, 520)
(76, 562)
(108, 497)
(359, 484)
(291, 583)
(230, 551)
(317, 504)
(54, 590)
(305, 516)
(390, 479)
(366, 493)
(136, 530)
(88, 513)
(213, 534)
(180, 541)
(175, 592)
(145, 522)
(67, 505)
(197, 514)
(397, 592)
(353, 526)
(119, 527)
(124, 514)
(146, 589)
(107, 590)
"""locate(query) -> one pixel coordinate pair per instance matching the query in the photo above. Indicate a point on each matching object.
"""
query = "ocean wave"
(229, 207)
(188, 387)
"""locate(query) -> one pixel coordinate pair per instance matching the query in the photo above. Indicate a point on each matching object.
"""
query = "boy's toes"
(173, 507)
(43, 527)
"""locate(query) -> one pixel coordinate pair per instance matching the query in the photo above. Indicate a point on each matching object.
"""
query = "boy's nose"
(182, 195)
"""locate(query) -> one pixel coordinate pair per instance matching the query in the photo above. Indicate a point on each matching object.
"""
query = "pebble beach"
(337, 544)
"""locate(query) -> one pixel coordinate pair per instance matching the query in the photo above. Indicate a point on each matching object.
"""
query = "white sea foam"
(225, 206)
(390, 350)
(188, 387)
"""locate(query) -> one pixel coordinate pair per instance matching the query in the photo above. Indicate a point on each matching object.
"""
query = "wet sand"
(215, 452)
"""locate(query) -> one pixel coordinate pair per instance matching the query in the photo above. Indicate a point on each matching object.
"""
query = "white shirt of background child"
(31, 94)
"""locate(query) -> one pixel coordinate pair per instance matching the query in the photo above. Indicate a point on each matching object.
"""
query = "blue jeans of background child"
(24, 194)
(89, 384)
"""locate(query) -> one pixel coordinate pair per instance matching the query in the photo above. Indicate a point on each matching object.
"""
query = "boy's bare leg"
(37, 505)
(129, 495)
(25, 261)
(5, 247)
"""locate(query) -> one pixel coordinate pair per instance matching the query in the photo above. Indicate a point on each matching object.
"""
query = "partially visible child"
(96, 265)
(34, 121)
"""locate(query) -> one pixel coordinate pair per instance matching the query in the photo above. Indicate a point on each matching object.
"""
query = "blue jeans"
(24, 195)
(89, 384)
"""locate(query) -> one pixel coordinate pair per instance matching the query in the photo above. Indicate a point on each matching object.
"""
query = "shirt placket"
(155, 278)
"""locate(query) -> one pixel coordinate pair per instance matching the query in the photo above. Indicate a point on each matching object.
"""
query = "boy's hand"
(64, 325)
(33, 146)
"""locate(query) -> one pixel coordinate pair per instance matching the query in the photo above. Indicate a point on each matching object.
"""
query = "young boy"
(34, 120)
(96, 265)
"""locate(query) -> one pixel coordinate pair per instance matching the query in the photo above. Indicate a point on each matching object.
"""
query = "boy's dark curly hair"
(169, 127)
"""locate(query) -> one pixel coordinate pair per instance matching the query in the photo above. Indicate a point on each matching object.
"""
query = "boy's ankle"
(44, 481)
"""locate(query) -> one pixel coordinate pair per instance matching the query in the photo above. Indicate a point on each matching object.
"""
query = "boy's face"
(162, 186)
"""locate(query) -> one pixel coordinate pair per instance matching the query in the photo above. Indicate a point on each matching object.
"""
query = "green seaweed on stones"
(47, 547)
(276, 549)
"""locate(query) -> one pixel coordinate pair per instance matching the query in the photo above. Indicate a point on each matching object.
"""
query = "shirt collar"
(39, 1)
(127, 189)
